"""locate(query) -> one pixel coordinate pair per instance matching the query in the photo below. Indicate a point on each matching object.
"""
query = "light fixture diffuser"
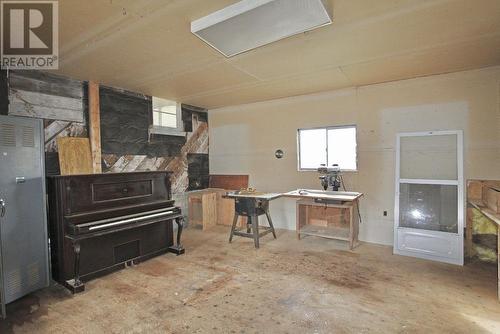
(249, 24)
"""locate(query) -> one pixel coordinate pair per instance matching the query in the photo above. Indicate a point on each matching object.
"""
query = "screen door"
(429, 203)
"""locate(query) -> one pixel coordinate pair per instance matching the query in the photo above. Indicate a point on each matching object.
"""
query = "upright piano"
(99, 223)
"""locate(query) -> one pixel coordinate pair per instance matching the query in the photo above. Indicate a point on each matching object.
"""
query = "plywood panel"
(229, 182)
(74, 155)
(209, 208)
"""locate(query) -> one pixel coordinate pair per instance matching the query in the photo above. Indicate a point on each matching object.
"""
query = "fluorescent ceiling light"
(249, 24)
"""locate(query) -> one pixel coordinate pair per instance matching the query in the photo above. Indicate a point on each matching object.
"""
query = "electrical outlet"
(385, 213)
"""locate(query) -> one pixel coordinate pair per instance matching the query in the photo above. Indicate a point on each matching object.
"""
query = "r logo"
(29, 28)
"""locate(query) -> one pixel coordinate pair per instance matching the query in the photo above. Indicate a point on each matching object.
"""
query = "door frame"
(459, 182)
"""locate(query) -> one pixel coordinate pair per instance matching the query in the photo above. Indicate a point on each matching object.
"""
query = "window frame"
(326, 128)
(167, 130)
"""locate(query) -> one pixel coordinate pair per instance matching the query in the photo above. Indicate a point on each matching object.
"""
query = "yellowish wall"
(243, 138)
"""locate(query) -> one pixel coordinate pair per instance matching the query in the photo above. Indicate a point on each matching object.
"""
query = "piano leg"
(177, 248)
(76, 285)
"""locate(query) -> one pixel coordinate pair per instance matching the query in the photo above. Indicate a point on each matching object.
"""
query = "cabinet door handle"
(2, 207)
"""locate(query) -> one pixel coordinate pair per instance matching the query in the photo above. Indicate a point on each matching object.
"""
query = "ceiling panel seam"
(418, 52)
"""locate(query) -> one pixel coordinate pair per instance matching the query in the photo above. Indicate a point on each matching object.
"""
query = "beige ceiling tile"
(297, 85)
(485, 52)
(339, 44)
(210, 78)
(76, 16)
(347, 11)
(147, 46)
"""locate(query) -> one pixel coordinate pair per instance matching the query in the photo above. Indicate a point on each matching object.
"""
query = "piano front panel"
(87, 193)
(121, 190)
(107, 252)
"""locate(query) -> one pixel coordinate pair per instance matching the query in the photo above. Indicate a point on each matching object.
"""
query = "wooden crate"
(225, 211)
(208, 208)
(202, 209)
(486, 192)
(491, 197)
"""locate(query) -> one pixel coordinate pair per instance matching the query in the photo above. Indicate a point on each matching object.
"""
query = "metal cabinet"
(24, 265)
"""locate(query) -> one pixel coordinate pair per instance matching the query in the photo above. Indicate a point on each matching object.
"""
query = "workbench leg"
(255, 228)
(270, 223)
(297, 219)
(351, 226)
(233, 227)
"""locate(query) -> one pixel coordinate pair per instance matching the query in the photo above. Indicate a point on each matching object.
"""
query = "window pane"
(169, 120)
(169, 109)
(342, 147)
(429, 157)
(312, 148)
(166, 112)
(428, 207)
(156, 118)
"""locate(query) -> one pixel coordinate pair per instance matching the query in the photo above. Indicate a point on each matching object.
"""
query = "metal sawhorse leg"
(252, 228)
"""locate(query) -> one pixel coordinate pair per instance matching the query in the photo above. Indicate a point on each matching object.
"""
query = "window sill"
(315, 170)
(162, 130)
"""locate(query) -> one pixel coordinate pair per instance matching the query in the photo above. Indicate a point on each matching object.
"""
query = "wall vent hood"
(249, 24)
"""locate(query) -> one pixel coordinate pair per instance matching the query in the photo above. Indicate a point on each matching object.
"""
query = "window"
(327, 146)
(166, 117)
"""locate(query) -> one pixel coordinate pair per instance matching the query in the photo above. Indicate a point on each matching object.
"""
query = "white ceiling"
(146, 46)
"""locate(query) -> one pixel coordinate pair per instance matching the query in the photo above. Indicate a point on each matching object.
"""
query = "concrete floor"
(288, 286)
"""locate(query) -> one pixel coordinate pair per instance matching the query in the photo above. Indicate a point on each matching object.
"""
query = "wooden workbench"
(327, 214)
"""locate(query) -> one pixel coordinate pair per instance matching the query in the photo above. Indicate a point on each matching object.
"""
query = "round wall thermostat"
(279, 154)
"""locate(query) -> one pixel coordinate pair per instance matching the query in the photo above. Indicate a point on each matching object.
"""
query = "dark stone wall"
(198, 171)
(125, 121)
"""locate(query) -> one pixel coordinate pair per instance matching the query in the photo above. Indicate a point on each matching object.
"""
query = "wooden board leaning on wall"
(74, 156)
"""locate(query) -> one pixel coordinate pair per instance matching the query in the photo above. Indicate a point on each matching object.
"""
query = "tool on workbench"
(330, 176)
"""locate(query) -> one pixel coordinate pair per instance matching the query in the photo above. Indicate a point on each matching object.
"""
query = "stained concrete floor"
(287, 286)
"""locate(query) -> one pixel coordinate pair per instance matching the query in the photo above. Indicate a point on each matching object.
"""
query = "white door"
(429, 205)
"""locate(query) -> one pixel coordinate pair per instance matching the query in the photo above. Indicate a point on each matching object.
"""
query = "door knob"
(2, 207)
